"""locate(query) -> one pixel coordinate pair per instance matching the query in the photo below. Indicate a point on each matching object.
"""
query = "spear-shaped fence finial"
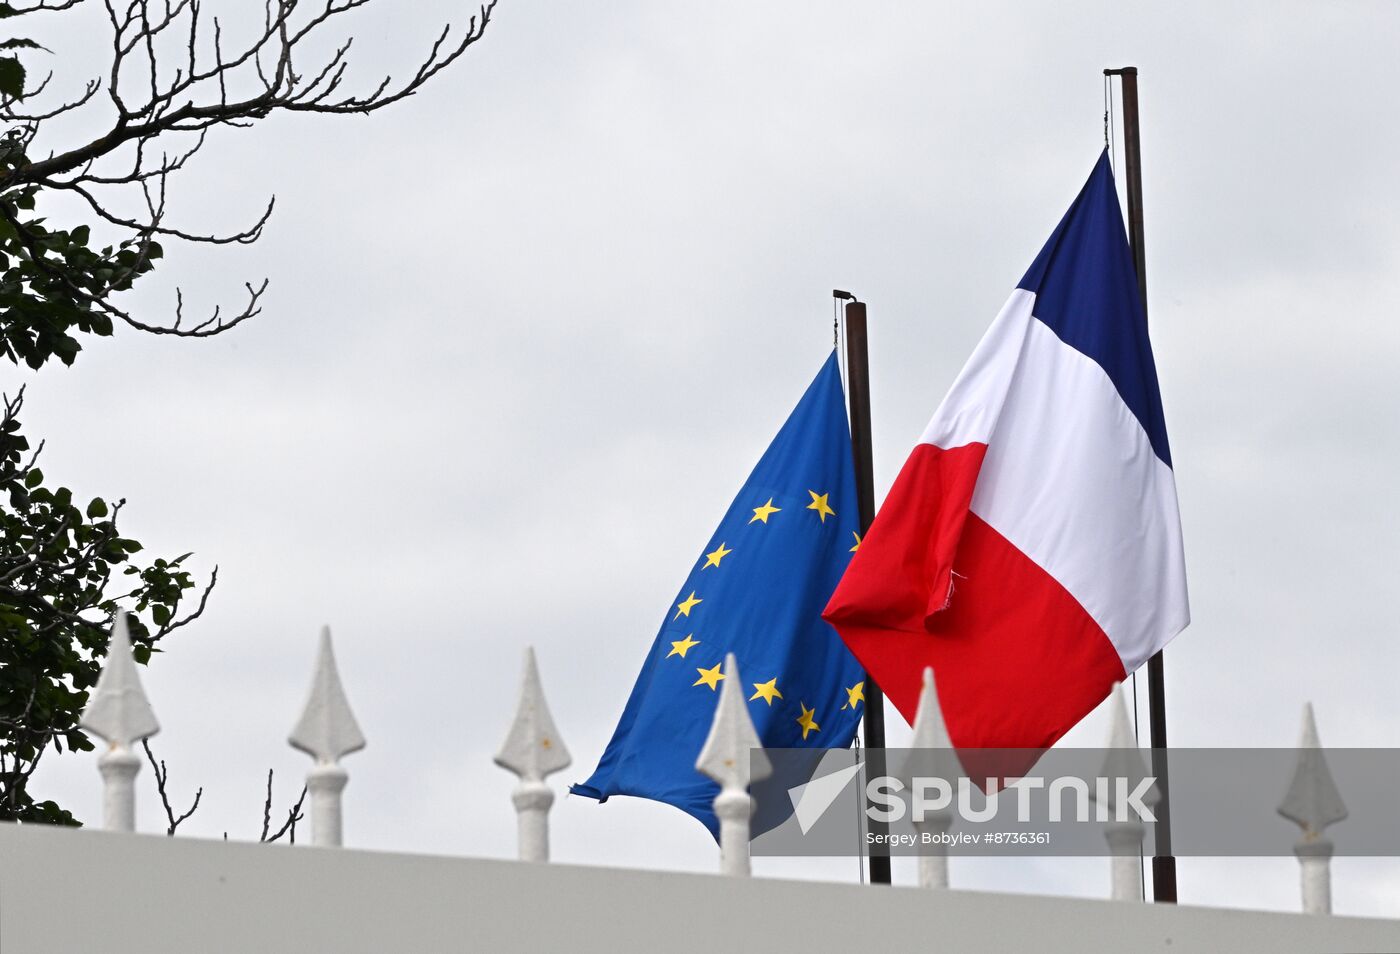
(533, 750)
(326, 731)
(733, 756)
(932, 756)
(1125, 769)
(1313, 803)
(119, 713)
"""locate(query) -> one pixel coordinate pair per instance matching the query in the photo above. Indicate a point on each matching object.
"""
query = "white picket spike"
(932, 756)
(119, 713)
(1313, 803)
(118, 710)
(326, 731)
(1124, 761)
(733, 756)
(533, 750)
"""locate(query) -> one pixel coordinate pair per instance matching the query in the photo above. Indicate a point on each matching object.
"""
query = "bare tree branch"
(159, 100)
(281, 90)
(161, 776)
(294, 815)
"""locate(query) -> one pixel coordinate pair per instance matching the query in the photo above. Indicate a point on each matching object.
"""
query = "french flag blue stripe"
(1084, 284)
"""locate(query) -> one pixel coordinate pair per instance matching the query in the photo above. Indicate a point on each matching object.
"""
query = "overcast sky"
(528, 332)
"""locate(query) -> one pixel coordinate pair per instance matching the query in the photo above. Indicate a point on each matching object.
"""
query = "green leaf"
(34, 478)
(96, 509)
(11, 77)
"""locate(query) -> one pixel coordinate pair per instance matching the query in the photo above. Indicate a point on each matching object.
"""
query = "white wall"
(66, 891)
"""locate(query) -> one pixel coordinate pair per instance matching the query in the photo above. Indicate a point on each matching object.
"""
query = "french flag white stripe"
(968, 415)
(1070, 479)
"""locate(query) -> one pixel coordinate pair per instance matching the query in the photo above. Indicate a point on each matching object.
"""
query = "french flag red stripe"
(1025, 668)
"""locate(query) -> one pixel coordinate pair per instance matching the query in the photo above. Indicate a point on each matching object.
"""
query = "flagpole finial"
(733, 756)
(119, 713)
(533, 750)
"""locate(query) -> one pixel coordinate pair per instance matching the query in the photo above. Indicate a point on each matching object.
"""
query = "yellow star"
(709, 677)
(763, 513)
(684, 607)
(857, 546)
(855, 694)
(767, 691)
(712, 559)
(820, 505)
(682, 646)
(808, 720)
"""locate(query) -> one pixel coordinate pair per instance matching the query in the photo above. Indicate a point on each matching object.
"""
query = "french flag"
(1030, 549)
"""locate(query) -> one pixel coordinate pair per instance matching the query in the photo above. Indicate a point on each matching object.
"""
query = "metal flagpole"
(1163, 863)
(858, 376)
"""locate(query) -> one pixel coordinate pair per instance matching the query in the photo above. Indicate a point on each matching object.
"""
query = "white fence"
(533, 750)
(67, 892)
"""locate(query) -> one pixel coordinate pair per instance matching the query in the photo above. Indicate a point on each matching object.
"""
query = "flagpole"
(1163, 863)
(858, 382)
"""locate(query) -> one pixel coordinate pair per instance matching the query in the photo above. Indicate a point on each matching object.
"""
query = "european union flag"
(757, 591)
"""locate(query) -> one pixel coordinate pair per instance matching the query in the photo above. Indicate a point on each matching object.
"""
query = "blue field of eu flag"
(757, 590)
